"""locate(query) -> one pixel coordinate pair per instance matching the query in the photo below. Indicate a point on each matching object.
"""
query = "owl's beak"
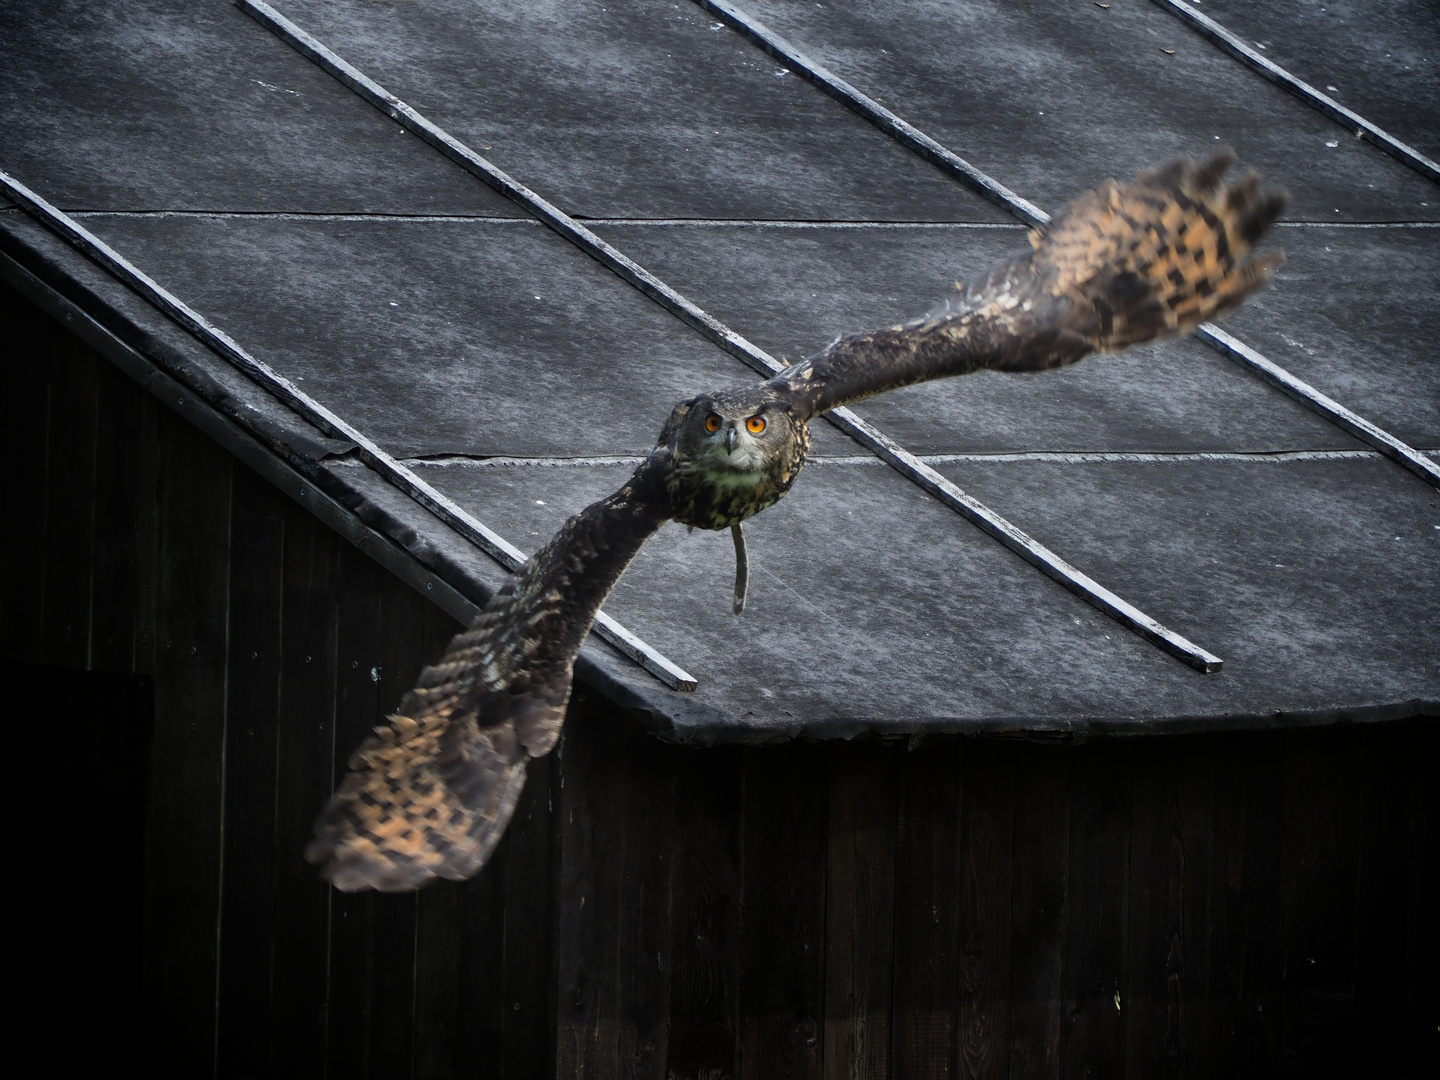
(731, 438)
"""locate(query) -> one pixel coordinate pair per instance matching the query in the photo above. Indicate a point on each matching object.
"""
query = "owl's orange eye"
(712, 422)
(755, 425)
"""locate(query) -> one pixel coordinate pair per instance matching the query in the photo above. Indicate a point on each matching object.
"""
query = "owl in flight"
(430, 792)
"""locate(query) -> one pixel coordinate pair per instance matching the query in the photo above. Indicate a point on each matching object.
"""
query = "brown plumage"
(429, 794)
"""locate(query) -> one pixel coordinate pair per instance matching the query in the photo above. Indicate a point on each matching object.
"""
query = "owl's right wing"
(430, 792)
(1125, 264)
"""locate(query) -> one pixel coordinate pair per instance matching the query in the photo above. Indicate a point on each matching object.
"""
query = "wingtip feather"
(1158, 257)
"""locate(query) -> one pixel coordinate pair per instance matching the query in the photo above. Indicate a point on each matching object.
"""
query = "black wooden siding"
(1205, 905)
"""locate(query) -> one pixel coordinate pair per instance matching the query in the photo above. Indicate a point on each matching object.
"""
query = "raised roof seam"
(704, 223)
(998, 457)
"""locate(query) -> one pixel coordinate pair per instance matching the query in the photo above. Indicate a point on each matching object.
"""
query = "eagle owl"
(430, 792)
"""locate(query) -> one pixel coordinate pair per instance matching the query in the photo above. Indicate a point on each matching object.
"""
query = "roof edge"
(410, 542)
(399, 533)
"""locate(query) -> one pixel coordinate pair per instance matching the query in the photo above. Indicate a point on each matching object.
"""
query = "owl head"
(738, 431)
(732, 454)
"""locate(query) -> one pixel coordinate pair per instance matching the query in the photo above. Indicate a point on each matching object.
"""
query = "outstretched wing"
(1124, 265)
(430, 792)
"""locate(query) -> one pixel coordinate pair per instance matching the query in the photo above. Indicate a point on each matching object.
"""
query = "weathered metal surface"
(1311, 398)
(1127, 456)
(1053, 98)
(866, 579)
(150, 84)
(901, 130)
(1380, 59)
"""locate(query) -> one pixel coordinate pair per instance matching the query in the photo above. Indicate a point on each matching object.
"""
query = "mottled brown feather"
(430, 792)
(1123, 265)
(1162, 255)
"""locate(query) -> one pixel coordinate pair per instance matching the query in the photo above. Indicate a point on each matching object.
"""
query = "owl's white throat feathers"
(741, 467)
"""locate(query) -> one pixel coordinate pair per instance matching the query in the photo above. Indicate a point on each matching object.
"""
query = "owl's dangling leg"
(742, 567)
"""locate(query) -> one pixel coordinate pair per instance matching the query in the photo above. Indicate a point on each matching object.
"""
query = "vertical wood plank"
(1247, 960)
(12, 310)
(782, 942)
(1382, 915)
(458, 924)
(926, 1002)
(184, 840)
(69, 524)
(528, 1032)
(1322, 799)
(27, 486)
(118, 745)
(357, 711)
(117, 491)
(392, 1013)
(147, 533)
(613, 951)
(590, 828)
(986, 877)
(1038, 911)
(455, 919)
(247, 925)
(860, 907)
(704, 912)
(651, 964)
(1422, 1029)
(1093, 1027)
(305, 751)
(1168, 1029)
(79, 945)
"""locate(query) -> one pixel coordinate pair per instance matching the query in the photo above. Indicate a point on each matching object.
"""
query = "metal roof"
(687, 189)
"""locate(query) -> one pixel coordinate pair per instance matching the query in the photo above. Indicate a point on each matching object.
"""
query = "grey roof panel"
(140, 325)
(872, 605)
(856, 581)
(320, 472)
(792, 289)
(1354, 313)
(1315, 580)
(439, 336)
(178, 105)
(1050, 99)
(1380, 58)
(858, 622)
(643, 108)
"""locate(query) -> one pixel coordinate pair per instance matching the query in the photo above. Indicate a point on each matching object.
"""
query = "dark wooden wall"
(1221, 905)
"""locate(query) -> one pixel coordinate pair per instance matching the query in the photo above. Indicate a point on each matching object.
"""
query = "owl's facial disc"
(733, 439)
(732, 454)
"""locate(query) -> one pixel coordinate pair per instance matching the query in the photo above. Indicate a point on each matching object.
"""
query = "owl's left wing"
(430, 792)
(1125, 264)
